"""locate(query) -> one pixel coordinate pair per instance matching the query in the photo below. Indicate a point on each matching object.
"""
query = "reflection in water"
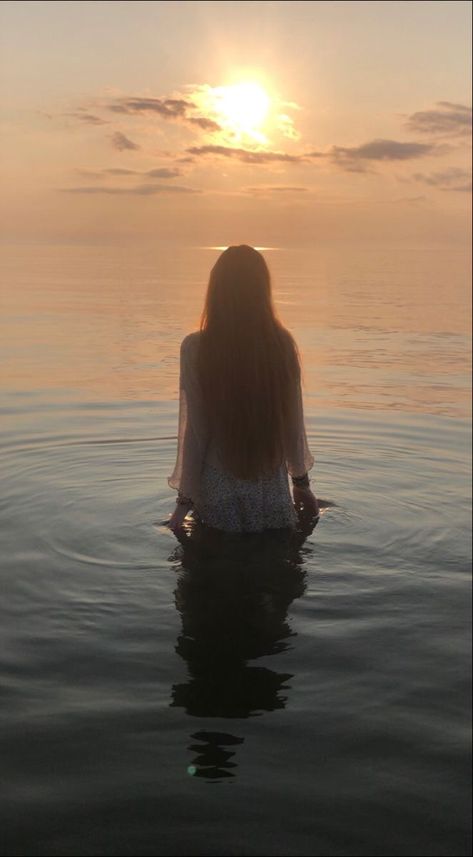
(213, 761)
(233, 593)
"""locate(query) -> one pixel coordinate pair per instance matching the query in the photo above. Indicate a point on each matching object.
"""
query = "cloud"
(140, 190)
(245, 155)
(158, 173)
(448, 119)
(164, 173)
(351, 158)
(177, 109)
(466, 188)
(413, 200)
(285, 125)
(88, 174)
(380, 150)
(89, 118)
(453, 179)
(120, 142)
(119, 171)
(203, 122)
(170, 108)
(270, 189)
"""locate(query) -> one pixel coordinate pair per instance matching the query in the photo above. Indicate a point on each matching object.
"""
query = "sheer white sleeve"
(192, 434)
(299, 459)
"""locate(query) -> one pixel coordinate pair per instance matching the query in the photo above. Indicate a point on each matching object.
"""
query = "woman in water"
(241, 422)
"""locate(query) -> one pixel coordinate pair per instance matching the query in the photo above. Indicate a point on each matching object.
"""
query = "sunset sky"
(281, 123)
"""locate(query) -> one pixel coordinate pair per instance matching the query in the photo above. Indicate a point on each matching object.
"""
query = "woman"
(241, 422)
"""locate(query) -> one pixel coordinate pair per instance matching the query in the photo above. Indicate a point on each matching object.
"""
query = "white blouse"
(194, 445)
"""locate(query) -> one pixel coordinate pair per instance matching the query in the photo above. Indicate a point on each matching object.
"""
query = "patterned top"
(220, 499)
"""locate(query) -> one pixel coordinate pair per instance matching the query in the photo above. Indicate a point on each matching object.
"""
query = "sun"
(242, 110)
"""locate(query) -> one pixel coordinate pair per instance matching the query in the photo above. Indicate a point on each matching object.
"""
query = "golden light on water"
(225, 247)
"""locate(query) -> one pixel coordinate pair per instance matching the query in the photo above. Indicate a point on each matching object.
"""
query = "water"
(171, 698)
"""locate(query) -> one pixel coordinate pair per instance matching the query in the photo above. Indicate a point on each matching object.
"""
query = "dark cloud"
(351, 165)
(448, 119)
(180, 105)
(120, 171)
(164, 173)
(141, 190)
(203, 122)
(179, 109)
(245, 155)
(360, 159)
(89, 118)
(352, 158)
(120, 142)
(452, 178)
(158, 173)
(381, 150)
(170, 108)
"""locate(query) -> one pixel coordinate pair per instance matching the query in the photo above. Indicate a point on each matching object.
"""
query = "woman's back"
(248, 385)
(241, 424)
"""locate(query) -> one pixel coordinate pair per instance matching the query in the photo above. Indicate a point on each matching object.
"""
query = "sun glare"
(242, 109)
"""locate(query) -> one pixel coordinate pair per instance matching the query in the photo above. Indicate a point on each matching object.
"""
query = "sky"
(270, 123)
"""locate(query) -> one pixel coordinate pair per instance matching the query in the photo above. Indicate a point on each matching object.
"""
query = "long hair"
(248, 365)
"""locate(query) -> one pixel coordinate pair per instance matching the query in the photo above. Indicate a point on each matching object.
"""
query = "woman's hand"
(305, 502)
(177, 518)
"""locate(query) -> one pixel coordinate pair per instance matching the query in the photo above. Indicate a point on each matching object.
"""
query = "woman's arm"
(299, 459)
(191, 441)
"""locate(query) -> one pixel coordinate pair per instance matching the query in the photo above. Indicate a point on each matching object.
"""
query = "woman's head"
(248, 364)
(239, 289)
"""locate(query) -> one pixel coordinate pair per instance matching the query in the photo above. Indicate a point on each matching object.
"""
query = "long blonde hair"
(248, 365)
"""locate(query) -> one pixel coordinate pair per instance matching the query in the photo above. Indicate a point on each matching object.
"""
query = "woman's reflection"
(233, 593)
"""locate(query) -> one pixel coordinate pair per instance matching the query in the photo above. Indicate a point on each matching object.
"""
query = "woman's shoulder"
(287, 339)
(285, 333)
(290, 349)
(190, 343)
(191, 339)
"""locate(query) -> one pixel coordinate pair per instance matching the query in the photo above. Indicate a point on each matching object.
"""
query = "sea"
(163, 697)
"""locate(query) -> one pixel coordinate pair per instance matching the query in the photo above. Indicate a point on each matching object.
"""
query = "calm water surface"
(168, 698)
